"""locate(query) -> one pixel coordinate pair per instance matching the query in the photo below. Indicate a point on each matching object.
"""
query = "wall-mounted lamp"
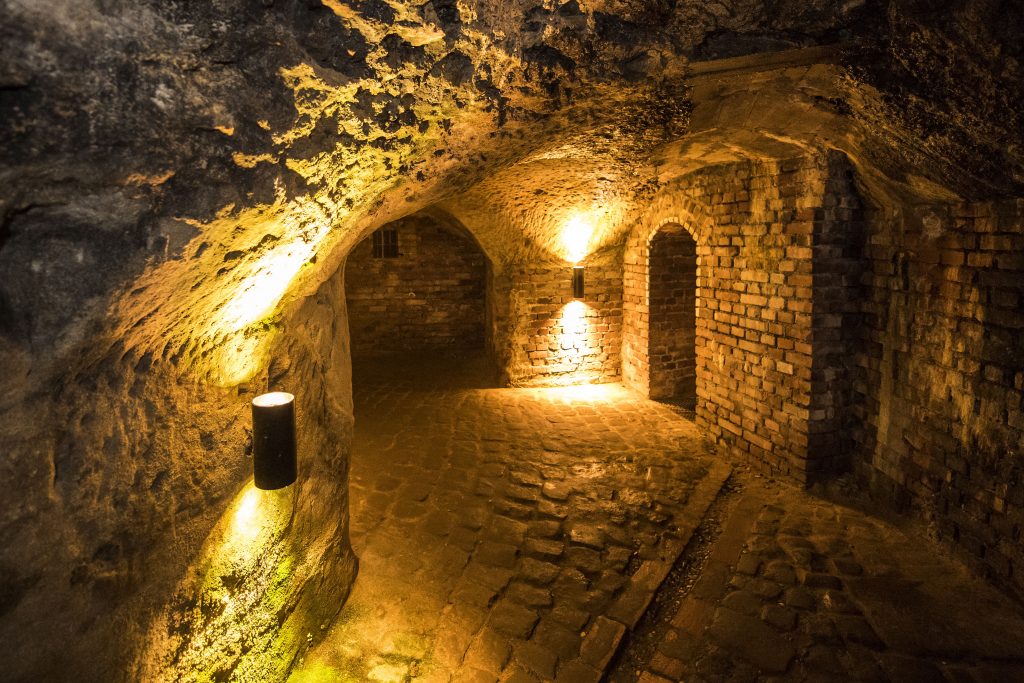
(577, 282)
(273, 440)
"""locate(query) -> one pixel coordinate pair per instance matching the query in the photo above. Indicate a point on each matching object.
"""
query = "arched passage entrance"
(415, 286)
(672, 297)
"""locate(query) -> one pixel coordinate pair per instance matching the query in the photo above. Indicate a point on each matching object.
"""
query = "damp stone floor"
(506, 533)
(587, 534)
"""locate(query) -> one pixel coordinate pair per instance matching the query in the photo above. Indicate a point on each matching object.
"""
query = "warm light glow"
(238, 361)
(259, 294)
(245, 515)
(589, 393)
(587, 226)
(274, 398)
(573, 322)
(242, 586)
(576, 236)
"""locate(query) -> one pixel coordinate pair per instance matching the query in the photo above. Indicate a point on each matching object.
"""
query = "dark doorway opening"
(673, 317)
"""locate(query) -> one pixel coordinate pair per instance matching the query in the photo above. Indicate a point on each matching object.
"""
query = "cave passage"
(416, 287)
(776, 435)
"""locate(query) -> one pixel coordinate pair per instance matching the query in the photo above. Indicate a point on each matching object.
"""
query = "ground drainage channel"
(640, 644)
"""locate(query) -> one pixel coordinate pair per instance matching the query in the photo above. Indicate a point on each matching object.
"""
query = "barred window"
(385, 244)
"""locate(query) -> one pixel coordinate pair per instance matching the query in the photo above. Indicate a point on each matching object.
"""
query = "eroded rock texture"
(181, 184)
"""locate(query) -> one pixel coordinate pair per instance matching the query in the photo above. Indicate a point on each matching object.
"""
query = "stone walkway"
(799, 588)
(584, 534)
(508, 534)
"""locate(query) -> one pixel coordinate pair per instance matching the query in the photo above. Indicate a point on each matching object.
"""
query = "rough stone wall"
(545, 337)
(755, 226)
(943, 421)
(104, 551)
(429, 298)
(672, 325)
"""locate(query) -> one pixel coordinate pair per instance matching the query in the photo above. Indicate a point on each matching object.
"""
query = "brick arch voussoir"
(691, 215)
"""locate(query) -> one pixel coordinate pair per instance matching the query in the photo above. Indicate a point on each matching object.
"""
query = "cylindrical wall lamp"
(577, 282)
(273, 440)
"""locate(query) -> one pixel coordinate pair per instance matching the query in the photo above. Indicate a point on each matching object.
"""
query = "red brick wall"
(758, 229)
(543, 337)
(943, 387)
(673, 324)
(430, 298)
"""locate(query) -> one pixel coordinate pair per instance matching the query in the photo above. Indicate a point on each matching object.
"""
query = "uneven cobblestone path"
(585, 534)
(796, 587)
(508, 534)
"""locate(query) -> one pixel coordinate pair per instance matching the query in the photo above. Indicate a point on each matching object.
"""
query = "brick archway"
(672, 319)
(776, 308)
(668, 212)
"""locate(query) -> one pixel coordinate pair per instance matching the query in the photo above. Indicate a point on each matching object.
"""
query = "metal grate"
(385, 244)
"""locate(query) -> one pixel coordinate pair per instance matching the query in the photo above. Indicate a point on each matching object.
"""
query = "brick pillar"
(777, 295)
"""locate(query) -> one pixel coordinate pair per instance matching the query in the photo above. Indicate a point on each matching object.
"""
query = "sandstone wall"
(429, 298)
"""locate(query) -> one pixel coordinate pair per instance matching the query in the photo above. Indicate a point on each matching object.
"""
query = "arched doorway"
(672, 318)
(416, 286)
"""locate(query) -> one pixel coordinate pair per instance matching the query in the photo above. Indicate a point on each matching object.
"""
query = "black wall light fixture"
(577, 282)
(273, 440)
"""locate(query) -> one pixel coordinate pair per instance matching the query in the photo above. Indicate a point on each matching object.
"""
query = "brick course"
(761, 230)
(543, 337)
(430, 298)
(940, 397)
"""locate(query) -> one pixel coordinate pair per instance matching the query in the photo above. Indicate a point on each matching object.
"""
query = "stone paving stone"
(496, 554)
(909, 669)
(473, 593)
(563, 641)
(807, 590)
(495, 578)
(647, 677)
(749, 564)
(577, 671)
(528, 595)
(857, 629)
(751, 639)
(512, 619)
(536, 658)
(569, 616)
(471, 675)
(489, 651)
(744, 602)
(601, 641)
(543, 549)
(669, 667)
(517, 673)
(782, 618)
(678, 644)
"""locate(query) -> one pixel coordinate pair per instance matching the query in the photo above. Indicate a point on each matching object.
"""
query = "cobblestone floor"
(521, 535)
(800, 588)
(508, 534)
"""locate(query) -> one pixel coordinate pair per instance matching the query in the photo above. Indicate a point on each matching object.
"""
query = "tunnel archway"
(672, 326)
(417, 286)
